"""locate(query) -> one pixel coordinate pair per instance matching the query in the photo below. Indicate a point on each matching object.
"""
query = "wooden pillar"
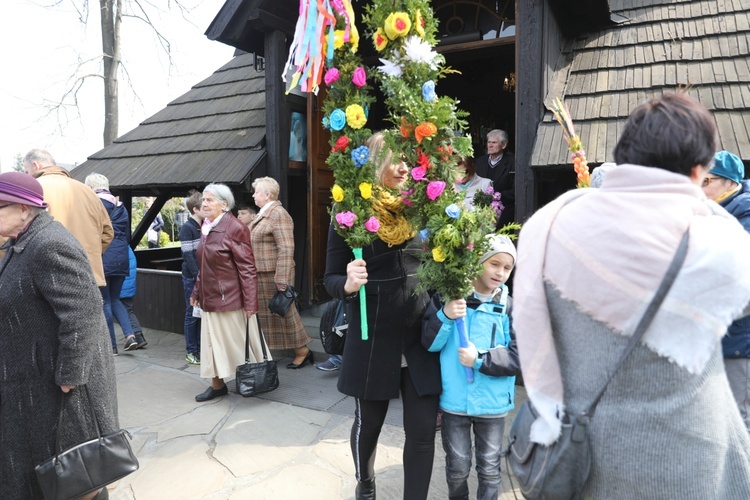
(529, 99)
(278, 118)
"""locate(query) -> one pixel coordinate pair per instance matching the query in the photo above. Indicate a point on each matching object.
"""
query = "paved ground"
(290, 443)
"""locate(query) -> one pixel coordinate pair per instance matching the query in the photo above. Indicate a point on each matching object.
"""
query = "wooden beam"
(278, 118)
(530, 15)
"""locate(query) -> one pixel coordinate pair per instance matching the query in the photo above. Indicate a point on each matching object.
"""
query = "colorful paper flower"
(337, 193)
(355, 116)
(423, 160)
(380, 40)
(428, 91)
(424, 234)
(338, 119)
(424, 130)
(326, 123)
(372, 224)
(341, 144)
(331, 76)
(453, 211)
(346, 219)
(406, 128)
(360, 156)
(438, 255)
(338, 39)
(418, 173)
(435, 189)
(419, 23)
(397, 24)
(359, 77)
(365, 189)
(390, 68)
(418, 51)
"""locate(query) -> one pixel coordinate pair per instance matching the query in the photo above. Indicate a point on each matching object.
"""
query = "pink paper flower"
(346, 219)
(331, 76)
(435, 189)
(372, 224)
(359, 77)
(418, 173)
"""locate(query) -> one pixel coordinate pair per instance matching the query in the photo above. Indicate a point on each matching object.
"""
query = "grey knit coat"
(52, 333)
(659, 431)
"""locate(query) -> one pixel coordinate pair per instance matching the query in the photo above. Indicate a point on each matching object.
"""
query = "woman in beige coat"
(272, 239)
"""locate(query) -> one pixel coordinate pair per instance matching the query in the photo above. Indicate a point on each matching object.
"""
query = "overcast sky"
(40, 49)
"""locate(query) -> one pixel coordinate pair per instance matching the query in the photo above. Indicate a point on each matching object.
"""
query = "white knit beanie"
(499, 243)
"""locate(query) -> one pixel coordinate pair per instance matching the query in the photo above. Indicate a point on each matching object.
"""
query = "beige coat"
(74, 205)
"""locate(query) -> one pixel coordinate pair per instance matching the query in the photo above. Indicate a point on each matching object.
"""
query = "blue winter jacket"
(115, 258)
(129, 287)
(488, 325)
(736, 343)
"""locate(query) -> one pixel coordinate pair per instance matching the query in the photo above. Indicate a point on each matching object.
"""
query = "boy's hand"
(468, 355)
(455, 309)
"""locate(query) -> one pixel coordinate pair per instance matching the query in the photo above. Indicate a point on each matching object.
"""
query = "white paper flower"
(419, 51)
(390, 68)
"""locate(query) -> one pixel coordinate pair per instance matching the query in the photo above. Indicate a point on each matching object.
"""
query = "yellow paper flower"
(355, 116)
(397, 24)
(419, 24)
(437, 254)
(365, 189)
(381, 41)
(354, 39)
(337, 193)
(338, 39)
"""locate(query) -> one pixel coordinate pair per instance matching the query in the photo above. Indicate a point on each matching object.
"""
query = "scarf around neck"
(606, 250)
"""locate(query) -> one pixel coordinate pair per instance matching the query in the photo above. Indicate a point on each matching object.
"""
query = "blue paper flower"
(360, 156)
(428, 91)
(453, 211)
(326, 123)
(338, 119)
(424, 234)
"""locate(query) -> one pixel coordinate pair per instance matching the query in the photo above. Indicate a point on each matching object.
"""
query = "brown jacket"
(272, 238)
(74, 205)
(227, 280)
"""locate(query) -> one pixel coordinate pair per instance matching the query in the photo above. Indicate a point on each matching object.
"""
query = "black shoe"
(102, 495)
(114, 351)
(309, 358)
(211, 393)
(365, 490)
(141, 340)
(131, 344)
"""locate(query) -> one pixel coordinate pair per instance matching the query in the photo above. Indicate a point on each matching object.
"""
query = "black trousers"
(420, 416)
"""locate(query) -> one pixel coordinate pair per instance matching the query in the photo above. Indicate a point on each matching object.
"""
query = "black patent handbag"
(88, 466)
(282, 300)
(252, 379)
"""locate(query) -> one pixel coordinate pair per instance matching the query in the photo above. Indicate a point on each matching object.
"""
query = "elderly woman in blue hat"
(725, 185)
(53, 340)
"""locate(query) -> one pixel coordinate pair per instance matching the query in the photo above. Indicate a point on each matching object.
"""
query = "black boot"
(365, 490)
(141, 340)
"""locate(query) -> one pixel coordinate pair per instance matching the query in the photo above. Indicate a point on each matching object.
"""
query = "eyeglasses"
(7, 205)
(708, 180)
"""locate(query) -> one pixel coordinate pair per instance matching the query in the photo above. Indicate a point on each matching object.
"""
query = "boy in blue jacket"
(492, 353)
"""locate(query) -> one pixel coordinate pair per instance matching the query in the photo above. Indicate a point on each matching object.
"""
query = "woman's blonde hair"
(380, 154)
(268, 185)
(97, 181)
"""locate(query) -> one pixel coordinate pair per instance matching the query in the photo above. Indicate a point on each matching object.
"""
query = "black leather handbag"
(282, 300)
(560, 471)
(256, 378)
(333, 327)
(88, 466)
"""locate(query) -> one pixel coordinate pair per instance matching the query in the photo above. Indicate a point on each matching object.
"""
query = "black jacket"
(503, 177)
(371, 369)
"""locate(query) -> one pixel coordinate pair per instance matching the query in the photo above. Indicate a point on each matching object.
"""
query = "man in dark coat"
(52, 336)
(499, 166)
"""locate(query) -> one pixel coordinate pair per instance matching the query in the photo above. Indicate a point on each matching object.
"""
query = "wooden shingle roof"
(213, 133)
(661, 46)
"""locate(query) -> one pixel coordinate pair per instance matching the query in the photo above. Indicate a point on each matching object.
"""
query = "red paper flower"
(341, 144)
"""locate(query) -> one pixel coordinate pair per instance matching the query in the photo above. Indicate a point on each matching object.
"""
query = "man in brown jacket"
(75, 206)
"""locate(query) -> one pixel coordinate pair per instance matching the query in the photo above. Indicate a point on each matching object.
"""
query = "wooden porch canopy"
(655, 47)
(213, 133)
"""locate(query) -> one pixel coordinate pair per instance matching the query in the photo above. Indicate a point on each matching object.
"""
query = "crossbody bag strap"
(648, 316)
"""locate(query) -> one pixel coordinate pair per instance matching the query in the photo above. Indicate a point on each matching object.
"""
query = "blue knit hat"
(728, 166)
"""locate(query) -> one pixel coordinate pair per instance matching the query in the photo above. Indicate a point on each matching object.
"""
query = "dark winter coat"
(371, 369)
(736, 344)
(116, 260)
(503, 177)
(53, 333)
